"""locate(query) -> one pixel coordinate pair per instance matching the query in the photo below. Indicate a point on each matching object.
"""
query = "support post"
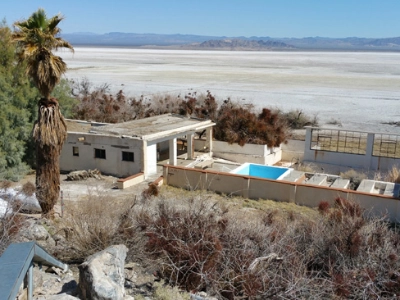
(209, 139)
(369, 150)
(173, 152)
(190, 148)
(30, 282)
(144, 159)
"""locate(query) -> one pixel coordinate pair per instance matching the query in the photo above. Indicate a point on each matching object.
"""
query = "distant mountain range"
(182, 41)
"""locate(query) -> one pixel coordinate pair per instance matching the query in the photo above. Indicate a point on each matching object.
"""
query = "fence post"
(62, 204)
(370, 148)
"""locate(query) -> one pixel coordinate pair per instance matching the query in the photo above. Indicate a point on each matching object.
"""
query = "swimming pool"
(262, 171)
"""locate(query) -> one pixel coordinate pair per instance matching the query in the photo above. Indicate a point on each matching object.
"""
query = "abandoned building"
(132, 147)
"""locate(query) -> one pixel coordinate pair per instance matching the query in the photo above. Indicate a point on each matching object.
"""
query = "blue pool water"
(262, 171)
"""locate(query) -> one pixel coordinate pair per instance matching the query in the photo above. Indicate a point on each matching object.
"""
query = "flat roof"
(147, 128)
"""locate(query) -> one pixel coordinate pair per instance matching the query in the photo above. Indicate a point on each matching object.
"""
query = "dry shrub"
(11, 225)
(393, 175)
(323, 207)
(5, 184)
(93, 225)
(339, 254)
(28, 188)
(297, 119)
(151, 191)
(199, 245)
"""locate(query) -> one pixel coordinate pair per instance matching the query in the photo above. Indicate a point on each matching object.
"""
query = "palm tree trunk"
(49, 133)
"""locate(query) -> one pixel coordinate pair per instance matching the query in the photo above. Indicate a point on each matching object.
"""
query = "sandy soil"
(357, 89)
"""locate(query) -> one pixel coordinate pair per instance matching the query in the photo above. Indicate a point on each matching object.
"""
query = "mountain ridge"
(200, 42)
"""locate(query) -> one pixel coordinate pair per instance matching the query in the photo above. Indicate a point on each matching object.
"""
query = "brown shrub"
(249, 254)
(151, 191)
(323, 207)
(28, 188)
(5, 184)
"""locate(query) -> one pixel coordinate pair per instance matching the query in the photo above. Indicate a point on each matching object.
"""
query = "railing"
(17, 262)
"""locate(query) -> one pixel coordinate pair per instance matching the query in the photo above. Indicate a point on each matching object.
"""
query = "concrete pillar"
(190, 146)
(369, 150)
(144, 159)
(209, 140)
(308, 138)
(173, 152)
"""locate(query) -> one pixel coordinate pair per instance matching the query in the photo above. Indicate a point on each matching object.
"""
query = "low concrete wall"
(257, 188)
(375, 205)
(293, 150)
(259, 154)
(272, 190)
(229, 184)
(130, 181)
(190, 179)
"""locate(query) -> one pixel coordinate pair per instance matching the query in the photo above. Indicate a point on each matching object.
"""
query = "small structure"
(129, 148)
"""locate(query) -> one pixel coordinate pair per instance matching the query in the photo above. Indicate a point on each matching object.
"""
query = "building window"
(75, 151)
(127, 156)
(100, 153)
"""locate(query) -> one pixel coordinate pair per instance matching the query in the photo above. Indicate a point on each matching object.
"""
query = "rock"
(102, 276)
(36, 232)
(61, 297)
(5, 208)
(28, 203)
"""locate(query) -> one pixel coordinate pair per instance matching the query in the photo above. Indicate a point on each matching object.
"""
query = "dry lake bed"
(360, 90)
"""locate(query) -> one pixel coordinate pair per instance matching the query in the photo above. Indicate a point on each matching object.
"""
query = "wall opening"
(99, 153)
(128, 156)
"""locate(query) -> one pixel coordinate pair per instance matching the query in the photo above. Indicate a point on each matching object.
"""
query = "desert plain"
(350, 90)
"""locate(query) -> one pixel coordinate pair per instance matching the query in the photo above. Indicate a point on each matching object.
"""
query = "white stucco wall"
(293, 150)
(114, 146)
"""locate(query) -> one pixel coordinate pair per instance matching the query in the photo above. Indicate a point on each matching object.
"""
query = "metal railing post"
(30, 282)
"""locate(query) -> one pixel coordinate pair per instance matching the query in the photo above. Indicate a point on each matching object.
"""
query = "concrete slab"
(294, 176)
(366, 186)
(317, 179)
(340, 183)
(389, 189)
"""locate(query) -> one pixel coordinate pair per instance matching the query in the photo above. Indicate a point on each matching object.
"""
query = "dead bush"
(29, 188)
(199, 245)
(5, 184)
(393, 175)
(297, 119)
(11, 225)
(151, 191)
(93, 225)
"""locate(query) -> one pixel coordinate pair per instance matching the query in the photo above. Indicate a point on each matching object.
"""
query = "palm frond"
(36, 38)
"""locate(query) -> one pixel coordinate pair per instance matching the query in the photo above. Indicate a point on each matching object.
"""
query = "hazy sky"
(275, 18)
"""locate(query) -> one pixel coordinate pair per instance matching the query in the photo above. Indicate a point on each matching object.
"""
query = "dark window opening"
(127, 156)
(75, 151)
(100, 153)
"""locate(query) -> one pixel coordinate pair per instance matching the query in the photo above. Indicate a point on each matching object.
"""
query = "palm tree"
(36, 38)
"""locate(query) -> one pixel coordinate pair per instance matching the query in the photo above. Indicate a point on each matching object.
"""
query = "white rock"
(102, 276)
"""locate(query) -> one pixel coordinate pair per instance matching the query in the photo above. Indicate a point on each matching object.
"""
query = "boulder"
(25, 202)
(61, 297)
(102, 276)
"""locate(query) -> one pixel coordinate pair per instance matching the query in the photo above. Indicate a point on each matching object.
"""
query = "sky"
(232, 18)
